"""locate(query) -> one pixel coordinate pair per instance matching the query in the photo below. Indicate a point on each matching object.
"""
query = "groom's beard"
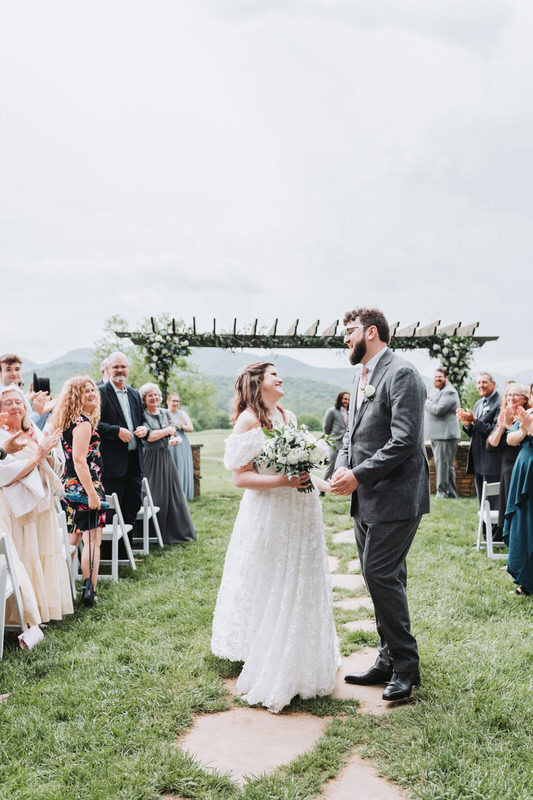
(358, 352)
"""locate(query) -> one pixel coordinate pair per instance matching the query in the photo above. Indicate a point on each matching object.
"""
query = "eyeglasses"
(349, 331)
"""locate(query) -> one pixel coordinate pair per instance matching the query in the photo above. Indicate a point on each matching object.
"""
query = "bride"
(274, 608)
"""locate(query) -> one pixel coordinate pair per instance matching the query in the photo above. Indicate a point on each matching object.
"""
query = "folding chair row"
(488, 517)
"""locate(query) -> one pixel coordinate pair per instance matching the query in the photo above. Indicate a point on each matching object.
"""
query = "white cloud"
(251, 160)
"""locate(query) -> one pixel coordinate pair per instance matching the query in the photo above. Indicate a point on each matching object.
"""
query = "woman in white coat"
(29, 483)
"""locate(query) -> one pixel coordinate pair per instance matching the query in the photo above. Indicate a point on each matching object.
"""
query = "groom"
(383, 465)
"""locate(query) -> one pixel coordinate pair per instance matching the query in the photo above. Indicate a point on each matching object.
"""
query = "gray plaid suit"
(384, 448)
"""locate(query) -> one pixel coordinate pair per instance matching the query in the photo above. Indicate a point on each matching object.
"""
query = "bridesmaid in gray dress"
(182, 454)
(174, 516)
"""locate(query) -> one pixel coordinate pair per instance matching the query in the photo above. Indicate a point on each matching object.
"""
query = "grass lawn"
(94, 711)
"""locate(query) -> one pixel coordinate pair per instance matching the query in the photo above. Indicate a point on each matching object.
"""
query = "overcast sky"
(266, 159)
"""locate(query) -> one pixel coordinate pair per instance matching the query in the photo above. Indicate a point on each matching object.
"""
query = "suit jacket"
(335, 425)
(440, 419)
(481, 460)
(114, 451)
(384, 444)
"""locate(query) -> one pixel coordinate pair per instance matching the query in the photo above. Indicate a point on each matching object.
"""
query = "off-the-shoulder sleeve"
(243, 447)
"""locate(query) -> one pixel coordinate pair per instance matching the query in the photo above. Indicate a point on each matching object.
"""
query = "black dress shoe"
(401, 685)
(373, 677)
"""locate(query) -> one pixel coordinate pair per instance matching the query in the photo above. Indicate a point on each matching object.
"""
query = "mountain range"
(213, 362)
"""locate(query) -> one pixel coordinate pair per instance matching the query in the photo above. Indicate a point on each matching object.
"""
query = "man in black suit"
(478, 425)
(121, 430)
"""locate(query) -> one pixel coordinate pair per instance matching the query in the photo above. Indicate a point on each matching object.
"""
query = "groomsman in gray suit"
(335, 424)
(442, 427)
(383, 466)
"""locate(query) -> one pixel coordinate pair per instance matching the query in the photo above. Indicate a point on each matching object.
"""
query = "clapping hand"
(465, 415)
(39, 401)
(50, 441)
(526, 420)
(13, 444)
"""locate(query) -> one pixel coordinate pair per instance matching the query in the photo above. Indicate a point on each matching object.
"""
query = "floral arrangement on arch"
(455, 354)
(161, 348)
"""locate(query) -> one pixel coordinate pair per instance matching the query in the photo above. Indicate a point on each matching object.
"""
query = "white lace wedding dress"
(274, 609)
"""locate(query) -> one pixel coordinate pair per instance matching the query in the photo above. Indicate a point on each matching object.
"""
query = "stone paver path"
(368, 625)
(352, 582)
(359, 781)
(344, 537)
(249, 741)
(252, 741)
(354, 603)
(333, 563)
(370, 697)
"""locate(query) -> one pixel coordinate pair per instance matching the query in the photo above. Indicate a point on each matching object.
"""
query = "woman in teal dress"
(518, 529)
(182, 454)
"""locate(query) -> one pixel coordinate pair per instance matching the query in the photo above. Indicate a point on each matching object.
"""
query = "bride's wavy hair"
(248, 393)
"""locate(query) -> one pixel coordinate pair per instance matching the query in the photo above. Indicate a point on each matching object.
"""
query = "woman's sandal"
(520, 590)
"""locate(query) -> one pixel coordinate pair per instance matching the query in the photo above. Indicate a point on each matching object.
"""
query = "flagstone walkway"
(245, 743)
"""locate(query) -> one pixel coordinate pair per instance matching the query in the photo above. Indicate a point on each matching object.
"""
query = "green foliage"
(313, 422)
(469, 395)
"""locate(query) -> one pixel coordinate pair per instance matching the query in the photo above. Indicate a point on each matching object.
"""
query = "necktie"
(363, 380)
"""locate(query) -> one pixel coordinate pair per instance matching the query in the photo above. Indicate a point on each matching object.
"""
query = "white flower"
(296, 455)
(445, 351)
(447, 341)
(158, 338)
(164, 351)
(309, 438)
(156, 345)
(436, 347)
(282, 459)
(370, 391)
(453, 359)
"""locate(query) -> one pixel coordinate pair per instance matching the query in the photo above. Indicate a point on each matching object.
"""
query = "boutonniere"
(369, 391)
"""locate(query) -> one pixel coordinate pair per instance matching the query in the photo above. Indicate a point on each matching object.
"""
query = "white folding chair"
(489, 517)
(113, 533)
(147, 512)
(70, 551)
(8, 586)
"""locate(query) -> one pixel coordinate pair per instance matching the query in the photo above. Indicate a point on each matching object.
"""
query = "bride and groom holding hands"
(274, 608)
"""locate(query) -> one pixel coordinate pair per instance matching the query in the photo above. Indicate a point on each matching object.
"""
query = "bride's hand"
(300, 481)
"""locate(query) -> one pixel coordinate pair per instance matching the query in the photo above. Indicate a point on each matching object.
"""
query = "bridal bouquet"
(292, 450)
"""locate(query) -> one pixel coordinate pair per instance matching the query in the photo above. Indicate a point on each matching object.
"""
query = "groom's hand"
(343, 482)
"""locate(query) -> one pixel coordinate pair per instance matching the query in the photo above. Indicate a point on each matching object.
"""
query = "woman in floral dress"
(77, 415)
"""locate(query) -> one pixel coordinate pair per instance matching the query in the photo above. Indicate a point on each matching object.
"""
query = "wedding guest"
(174, 516)
(478, 425)
(442, 428)
(518, 529)
(334, 424)
(10, 370)
(29, 482)
(77, 415)
(515, 396)
(121, 427)
(182, 454)
(104, 372)
(13, 445)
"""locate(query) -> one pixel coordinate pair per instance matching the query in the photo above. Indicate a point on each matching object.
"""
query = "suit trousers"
(128, 489)
(444, 454)
(383, 548)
